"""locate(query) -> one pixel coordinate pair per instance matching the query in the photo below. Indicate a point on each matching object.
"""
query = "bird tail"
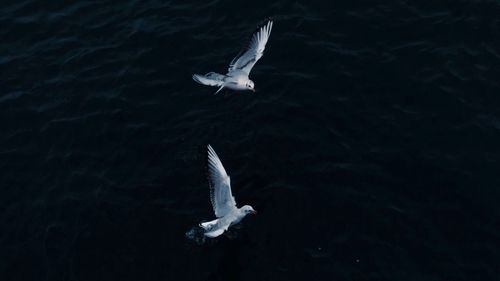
(214, 228)
(210, 79)
(215, 233)
(209, 224)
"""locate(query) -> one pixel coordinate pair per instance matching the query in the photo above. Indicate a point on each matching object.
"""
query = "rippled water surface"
(370, 149)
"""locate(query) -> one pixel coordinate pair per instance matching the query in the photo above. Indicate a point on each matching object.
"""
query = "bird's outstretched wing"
(210, 79)
(247, 59)
(220, 186)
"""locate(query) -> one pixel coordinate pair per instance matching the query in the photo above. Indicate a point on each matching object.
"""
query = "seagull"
(222, 199)
(240, 67)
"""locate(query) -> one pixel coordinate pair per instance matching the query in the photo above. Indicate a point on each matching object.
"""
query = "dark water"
(371, 148)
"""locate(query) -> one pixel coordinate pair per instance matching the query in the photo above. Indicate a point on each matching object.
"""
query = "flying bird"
(222, 199)
(240, 67)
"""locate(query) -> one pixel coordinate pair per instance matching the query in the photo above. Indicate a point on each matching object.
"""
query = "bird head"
(250, 86)
(247, 209)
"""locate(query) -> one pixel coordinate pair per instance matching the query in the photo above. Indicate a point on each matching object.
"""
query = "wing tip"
(266, 24)
(209, 147)
(196, 78)
(269, 25)
(212, 156)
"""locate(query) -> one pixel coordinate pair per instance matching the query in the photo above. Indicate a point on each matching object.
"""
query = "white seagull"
(240, 67)
(222, 200)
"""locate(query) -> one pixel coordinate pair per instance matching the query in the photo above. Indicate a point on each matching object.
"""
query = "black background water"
(370, 150)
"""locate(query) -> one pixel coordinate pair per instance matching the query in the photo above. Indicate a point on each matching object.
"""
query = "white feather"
(220, 186)
(210, 79)
(254, 51)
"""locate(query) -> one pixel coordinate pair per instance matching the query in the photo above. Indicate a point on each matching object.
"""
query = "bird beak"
(254, 212)
(253, 90)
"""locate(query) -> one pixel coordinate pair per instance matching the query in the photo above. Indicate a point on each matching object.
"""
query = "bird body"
(222, 199)
(238, 80)
(237, 77)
